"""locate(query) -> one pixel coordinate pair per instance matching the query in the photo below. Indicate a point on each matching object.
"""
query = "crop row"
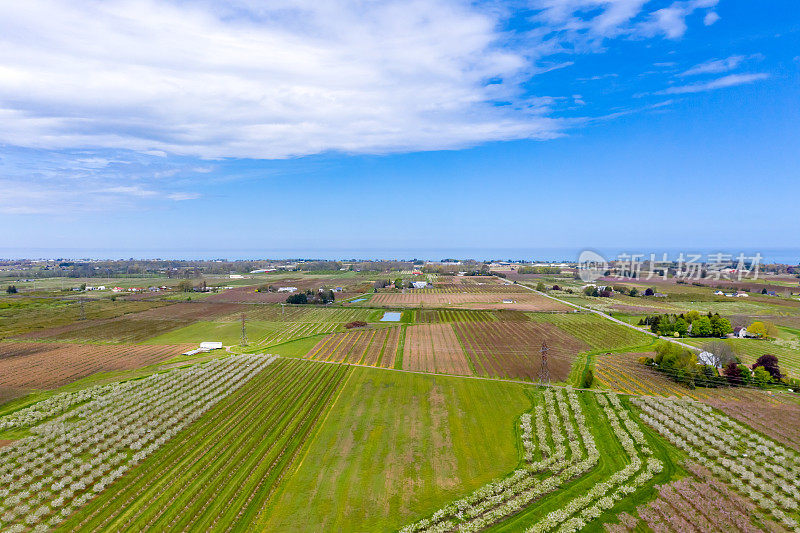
(373, 347)
(699, 502)
(510, 349)
(432, 316)
(766, 472)
(434, 348)
(222, 472)
(70, 459)
(296, 313)
(295, 330)
(64, 363)
(597, 332)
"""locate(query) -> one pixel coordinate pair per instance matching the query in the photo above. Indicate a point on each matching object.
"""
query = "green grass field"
(397, 446)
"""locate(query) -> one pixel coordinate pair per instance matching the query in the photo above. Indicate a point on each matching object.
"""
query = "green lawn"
(397, 446)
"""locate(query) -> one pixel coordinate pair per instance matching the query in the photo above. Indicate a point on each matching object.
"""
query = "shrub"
(355, 324)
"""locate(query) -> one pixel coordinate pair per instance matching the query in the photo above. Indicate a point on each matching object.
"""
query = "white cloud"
(710, 18)
(181, 196)
(726, 81)
(285, 78)
(715, 66)
(290, 79)
(589, 22)
(671, 21)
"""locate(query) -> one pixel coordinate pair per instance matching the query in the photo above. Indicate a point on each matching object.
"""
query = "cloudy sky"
(188, 125)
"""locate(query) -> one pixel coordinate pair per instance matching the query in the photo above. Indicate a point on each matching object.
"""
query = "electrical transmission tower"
(544, 372)
(244, 331)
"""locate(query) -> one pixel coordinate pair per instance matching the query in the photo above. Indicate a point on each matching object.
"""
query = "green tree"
(588, 379)
(398, 283)
(185, 285)
(11, 289)
(300, 298)
(720, 326)
(541, 287)
(761, 377)
(681, 327)
(702, 327)
(633, 292)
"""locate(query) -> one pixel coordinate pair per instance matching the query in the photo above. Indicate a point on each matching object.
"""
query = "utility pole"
(544, 372)
(244, 331)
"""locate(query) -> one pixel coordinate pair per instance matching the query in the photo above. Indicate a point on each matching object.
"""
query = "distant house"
(236, 276)
(117, 289)
(660, 295)
(211, 345)
(772, 293)
(719, 293)
(287, 289)
(419, 284)
(740, 332)
(508, 301)
(742, 294)
(338, 289)
(708, 358)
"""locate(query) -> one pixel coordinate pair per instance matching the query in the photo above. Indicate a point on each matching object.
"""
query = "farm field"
(599, 333)
(28, 314)
(135, 327)
(397, 446)
(249, 441)
(697, 501)
(434, 348)
(779, 420)
(769, 474)
(432, 316)
(511, 349)
(526, 301)
(362, 346)
(430, 423)
(28, 366)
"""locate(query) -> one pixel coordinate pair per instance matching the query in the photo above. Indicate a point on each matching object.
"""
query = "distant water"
(770, 255)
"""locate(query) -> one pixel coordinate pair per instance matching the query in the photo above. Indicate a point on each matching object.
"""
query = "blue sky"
(144, 125)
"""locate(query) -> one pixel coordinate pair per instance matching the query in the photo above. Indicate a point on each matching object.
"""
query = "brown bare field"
(60, 364)
(527, 301)
(511, 349)
(434, 348)
(368, 346)
(136, 327)
(781, 421)
(192, 311)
